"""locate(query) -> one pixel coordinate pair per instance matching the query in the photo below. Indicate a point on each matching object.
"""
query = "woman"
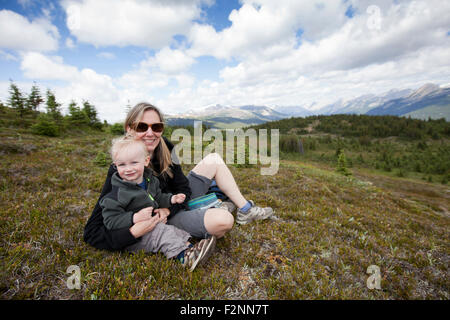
(146, 122)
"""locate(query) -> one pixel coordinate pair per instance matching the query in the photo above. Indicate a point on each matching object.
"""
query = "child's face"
(130, 163)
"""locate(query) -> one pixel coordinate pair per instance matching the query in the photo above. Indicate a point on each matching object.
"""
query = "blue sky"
(188, 54)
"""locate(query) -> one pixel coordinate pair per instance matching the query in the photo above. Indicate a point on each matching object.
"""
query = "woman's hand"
(163, 213)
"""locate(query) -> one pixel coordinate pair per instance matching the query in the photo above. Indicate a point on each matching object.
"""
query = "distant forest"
(400, 146)
(351, 125)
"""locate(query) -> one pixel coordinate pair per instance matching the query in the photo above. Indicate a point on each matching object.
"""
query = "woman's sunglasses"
(156, 127)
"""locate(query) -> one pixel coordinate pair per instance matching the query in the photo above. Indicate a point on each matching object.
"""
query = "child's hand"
(178, 198)
(143, 214)
(141, 228)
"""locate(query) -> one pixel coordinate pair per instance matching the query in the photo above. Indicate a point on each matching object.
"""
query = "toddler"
(135, 194)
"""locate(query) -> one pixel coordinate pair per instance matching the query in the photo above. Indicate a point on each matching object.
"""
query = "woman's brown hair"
(162, 152)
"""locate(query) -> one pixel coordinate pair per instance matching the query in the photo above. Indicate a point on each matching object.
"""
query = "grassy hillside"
(329, 230)
(389, 145)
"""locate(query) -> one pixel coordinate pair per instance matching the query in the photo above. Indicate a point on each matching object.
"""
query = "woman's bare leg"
(213, 167)
(218, 222)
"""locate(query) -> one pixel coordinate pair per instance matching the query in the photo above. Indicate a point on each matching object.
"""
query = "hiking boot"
(228, 205)
(199, 253)
(254, 213)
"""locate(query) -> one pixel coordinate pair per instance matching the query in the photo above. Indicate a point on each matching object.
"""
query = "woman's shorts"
(193, 221)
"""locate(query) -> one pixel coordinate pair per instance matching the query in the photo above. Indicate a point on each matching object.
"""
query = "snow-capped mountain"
(294, 111)
(429, 96)
(430, 100)
(227, 117)
(363, 104)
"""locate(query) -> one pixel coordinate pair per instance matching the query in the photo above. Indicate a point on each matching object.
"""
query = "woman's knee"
(213, 158)
(219, 219)
(227, 220)
(209, 165)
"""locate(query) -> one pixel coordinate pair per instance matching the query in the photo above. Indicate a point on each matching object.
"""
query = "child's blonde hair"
(125, 142)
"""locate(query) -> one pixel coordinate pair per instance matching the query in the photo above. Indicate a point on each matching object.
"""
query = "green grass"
(329, 230)
(402, 157)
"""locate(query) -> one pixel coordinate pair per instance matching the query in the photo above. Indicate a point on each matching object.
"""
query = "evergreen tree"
(289, 143)
(342, 164)
(117, 129)
(76, 115)
(34, 99)
(45, 126)
(91, 114)
(53, 107)
(16, 99)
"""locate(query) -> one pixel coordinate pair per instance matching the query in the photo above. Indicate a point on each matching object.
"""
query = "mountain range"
(430, 100)
(224, 117)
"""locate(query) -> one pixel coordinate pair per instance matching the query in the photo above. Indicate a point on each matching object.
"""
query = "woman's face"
(150, 138)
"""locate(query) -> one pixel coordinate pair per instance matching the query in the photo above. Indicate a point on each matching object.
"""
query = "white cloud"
(335, 56)
(275, 84)
(131, 22)
(170, 61)
(37, 66)
(17, 33)
(405, 28)
(409, 32)
(185, 80)
(76, 84)
(109, 95)
(316, 19)
(261, 24)
(142, 80)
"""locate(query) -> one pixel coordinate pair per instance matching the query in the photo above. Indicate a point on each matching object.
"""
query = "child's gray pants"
(164, 238)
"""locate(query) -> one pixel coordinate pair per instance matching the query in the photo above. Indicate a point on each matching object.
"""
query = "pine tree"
(91, 114)
(342, 164)
(2, 106)
(53, 107)
(16, 99)
(76, 115)
(45, 126)
(34, 99)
